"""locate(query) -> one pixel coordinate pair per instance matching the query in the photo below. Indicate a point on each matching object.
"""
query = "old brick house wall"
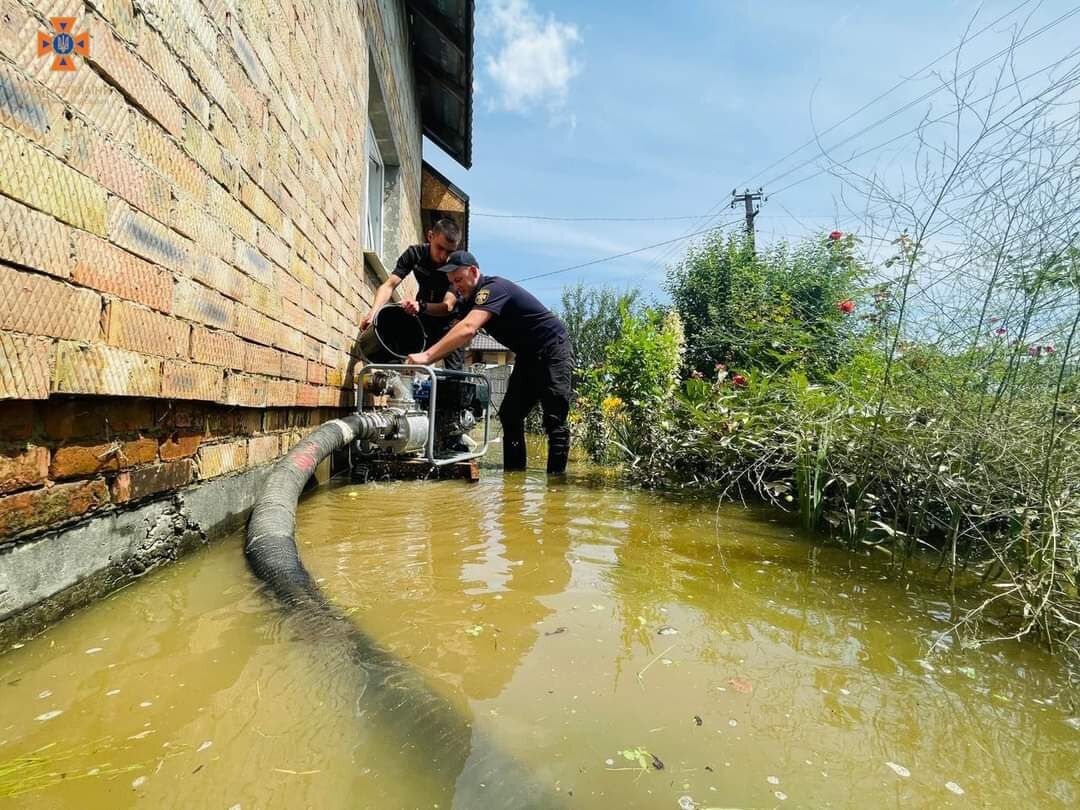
(182, 260)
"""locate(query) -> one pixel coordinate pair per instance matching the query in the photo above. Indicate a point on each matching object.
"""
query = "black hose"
(422, 723)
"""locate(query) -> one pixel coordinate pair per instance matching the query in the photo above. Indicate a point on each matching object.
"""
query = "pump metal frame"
(429, 449)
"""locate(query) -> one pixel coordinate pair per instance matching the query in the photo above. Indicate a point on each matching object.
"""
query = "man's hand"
(365, 322)
(410, 306)
(418, 359)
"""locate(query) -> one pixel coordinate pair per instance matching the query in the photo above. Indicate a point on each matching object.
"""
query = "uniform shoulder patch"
(483, 296)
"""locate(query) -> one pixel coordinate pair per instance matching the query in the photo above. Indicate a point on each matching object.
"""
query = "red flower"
(847, 306)
(721, 367)
(836, 236)
(738, 380)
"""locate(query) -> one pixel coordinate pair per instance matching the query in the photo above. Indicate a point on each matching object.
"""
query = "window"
(375, 179)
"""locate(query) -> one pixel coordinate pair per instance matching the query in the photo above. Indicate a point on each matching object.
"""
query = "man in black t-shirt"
(544, 362)
(435, 300)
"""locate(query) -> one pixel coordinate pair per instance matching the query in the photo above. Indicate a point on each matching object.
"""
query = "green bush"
(779, 308)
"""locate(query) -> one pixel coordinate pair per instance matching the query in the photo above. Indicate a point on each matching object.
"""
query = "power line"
(712, 211)
(923, 124)
(626, 253)
(925, 96)
(539, 218)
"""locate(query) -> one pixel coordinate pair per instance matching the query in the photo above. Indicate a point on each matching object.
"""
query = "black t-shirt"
(431, 283)
(518, 320)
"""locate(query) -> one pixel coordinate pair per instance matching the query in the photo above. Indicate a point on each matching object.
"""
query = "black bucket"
(392, 335)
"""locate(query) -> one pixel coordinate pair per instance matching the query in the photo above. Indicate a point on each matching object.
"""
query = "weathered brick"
(121, 14)
(332, 397)
(180, 444)
(197, 303)
(254, 263)
(107, 268)
(82, 418)
(256, 201)
(168, 68)
(77, 461)
(286, 285)
(219, 459)
(30, 110)
(281, 393)
(242, 389)
(262, 449)
(182, 380)
(110, 54)
(37, 508)
(161, 152)
(25, 367)
(134, 485)
(206, 152)
(262, 360)
(226, 208)
(98, 369)
(41, 306)
(22, 468)
(147, 237)
(209, 234)
(316, 373)
(274, 247)
(293, 367)
(116, 168)
(253, 325)
(17, 420)
(130, 326)
(33, 176)
(263, 299)
(289, 339)
(33, 239)
(230, 422)
(217, 348)
(307, 396)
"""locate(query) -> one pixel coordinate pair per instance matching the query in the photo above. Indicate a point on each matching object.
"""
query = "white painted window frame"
(374, 181)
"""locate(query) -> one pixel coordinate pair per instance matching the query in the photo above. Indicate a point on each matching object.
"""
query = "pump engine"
(421, 411)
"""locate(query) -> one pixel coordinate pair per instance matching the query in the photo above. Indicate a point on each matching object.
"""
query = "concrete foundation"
(57, 572)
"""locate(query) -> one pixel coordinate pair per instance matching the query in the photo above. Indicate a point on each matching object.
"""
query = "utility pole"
(748, 198)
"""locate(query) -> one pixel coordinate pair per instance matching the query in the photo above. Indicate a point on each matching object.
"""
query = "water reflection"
(533, 609)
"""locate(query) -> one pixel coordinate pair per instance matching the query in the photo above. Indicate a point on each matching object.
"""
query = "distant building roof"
(483, 342)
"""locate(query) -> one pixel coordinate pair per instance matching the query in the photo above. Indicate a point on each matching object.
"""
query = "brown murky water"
(572, 622)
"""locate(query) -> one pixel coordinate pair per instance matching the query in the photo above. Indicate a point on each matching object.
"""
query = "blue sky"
(659, 109)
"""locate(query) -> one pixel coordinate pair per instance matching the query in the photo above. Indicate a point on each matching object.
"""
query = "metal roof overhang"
(442, 50)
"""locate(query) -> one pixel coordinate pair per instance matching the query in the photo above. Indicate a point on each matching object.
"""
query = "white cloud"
(532, 61)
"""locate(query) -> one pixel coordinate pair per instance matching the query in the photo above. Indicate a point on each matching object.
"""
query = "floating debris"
(474, 631)
(967, 672)
(556, 631)
(741, 685)
(49, 715)
(686, 803)
(773, 780)
(667, 631)
(954, 788)
(667, 662)
(1074, 722)
(112, 693)
(204, 746)
(609, 762)
(733, 723)
(44, 694)
(138, 782)
(697, 720)
(779, 794)
(146, 704)
(900, 770)
(93, 650)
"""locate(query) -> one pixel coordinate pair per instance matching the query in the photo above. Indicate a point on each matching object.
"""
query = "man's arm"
(443, 309)
(459, 335)
(382, 295)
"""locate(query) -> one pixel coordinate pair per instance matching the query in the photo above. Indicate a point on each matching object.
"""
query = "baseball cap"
(459, 258)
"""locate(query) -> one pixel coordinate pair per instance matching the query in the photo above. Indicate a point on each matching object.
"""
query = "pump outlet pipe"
(467, 769)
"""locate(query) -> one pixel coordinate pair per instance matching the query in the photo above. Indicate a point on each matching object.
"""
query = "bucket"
(392, 335)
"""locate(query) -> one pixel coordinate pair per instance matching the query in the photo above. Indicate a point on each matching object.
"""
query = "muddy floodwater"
(629, 649)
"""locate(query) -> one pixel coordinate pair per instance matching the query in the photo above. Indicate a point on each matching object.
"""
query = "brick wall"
(181, 273)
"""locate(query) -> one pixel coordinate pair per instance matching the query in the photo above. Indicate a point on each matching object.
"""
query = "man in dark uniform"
(515, 318)
(434, 299)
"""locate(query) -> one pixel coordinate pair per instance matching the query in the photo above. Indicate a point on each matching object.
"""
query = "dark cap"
(459, 258)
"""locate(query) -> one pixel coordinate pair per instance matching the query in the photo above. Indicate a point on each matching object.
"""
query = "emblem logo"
(483, 296)
(63, 43)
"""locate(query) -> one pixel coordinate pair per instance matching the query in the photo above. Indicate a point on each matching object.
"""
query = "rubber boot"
(513, 450)
(558, 452)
